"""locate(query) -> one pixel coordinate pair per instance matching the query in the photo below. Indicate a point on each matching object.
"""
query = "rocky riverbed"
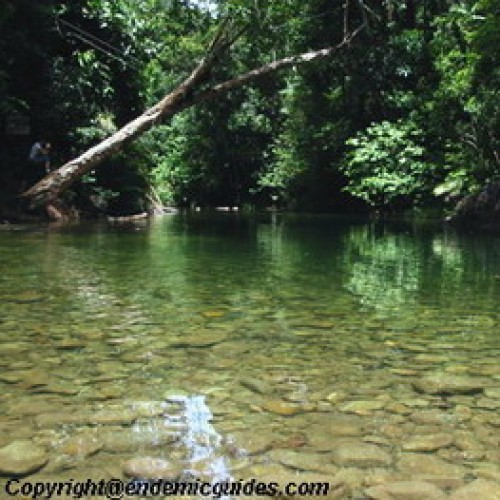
(118, 362)
(384, 416)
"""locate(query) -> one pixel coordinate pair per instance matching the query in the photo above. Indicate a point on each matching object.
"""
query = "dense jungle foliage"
(407, 116)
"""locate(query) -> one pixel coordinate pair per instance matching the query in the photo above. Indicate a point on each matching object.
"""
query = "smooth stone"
(285, 409)
(53, 419)
(392, 431)
(352, 477)
(487, 370)
(421, 463)
(479, 489)
(21, 458)
(488, 403)
(31, 408)
(335, 397)
(320, 436)
(492, 392)
(360, 455)
(432, 417)
(200, 340)
(81, 446)
(256, 385)
(405, 372)
(398, 409)
(69, 344)
(151, 468)
(487, 470)
(415, 402)
(10, 378)
(430, 358)
(379, 440)
(466, 441)
(315, 462)
(106, 393)
(269, 472)
(494, 421)
(445, 482)
(429, 442)
(111, 417)
(363, 407)
(406, 490)
(35, 378)
(115, 440)
(252, 443)
(448, 384)
(57, 388)
(213, 314)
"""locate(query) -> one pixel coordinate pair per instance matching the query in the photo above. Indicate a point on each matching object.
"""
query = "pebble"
(363, 407)
(316, 462)
(111, 417)
(360, 455)
(492, 392)
(432, 417)
(21, 458)
(421, 463)
(253, 443)
(285, 409)
(81, 446)
(479, 489)
(256, 385)
(151, 468)
(200, 339)
(406, 490)
(431, 442)
(448, 384)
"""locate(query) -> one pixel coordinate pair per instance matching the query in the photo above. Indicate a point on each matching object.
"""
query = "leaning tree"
(195, 89)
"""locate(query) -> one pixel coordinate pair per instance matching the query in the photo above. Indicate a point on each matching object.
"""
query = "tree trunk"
(187, 94)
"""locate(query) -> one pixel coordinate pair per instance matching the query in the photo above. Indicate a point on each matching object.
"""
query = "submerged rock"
(448, 384)
(285, 409)
(430, 442)
(406, 490)
(256, 385)
(151, 468)
(315, 462)
(428, 465)
(363, 407)
(492, 392)
(81, 446)
(252, 443)
(21, 458)
(361, 455)
(200, 339)
(479, 489)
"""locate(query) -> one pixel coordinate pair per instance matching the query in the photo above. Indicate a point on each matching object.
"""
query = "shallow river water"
(280, 348)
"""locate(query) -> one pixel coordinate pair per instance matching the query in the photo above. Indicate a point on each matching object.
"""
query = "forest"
(405, 116)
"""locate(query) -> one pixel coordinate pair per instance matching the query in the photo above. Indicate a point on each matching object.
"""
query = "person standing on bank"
(40, 155)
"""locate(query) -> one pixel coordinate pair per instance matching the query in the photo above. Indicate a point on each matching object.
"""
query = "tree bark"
(187, 94)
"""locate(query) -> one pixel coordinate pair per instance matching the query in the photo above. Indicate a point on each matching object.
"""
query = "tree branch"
(184, 96)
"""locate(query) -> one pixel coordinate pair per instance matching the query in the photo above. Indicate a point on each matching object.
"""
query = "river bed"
(282, 348)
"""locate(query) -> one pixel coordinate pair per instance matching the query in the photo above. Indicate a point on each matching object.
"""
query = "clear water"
(227, 345)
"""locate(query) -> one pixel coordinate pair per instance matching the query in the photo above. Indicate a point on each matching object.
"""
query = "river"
(277, 347)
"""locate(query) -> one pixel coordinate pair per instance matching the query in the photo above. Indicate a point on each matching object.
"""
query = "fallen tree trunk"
(189, 93)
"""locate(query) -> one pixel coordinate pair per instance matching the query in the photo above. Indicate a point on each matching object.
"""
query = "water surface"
(254, 347)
